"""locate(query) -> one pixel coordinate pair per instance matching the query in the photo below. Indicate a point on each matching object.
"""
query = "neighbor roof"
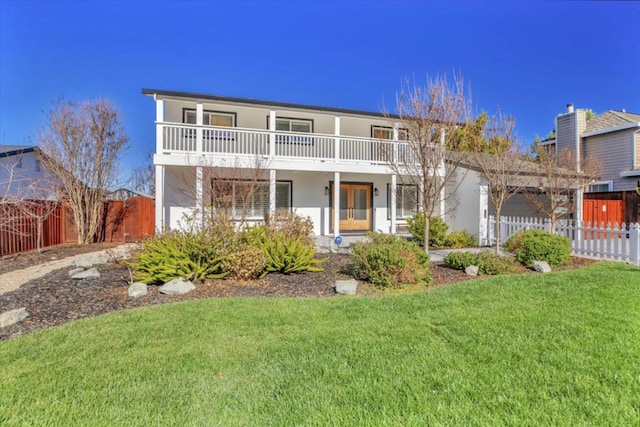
(252, 101)
(12, 150)
(611, 119)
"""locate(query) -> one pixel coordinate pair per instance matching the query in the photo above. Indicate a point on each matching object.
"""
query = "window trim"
(608, 182)
(233, 115)
(266, 184)
(311, 121)
(401, 219)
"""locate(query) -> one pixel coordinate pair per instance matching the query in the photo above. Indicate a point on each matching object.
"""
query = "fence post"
(634, 239)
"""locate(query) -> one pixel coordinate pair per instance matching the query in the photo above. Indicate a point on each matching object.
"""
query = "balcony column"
(336, 142)
(394, 197)
(159, 129)
(160, 225)
(272, 191)
(336, 204)
(272, 135)
(199, 122)
(395, 143)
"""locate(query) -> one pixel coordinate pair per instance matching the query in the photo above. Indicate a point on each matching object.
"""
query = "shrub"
(291, 224)
(461, 260)
(437, 229)
(488, 262)
(284, 253)
(460, 239)
(389, 261)
(245, 262)
(539, 245)
(187, 254)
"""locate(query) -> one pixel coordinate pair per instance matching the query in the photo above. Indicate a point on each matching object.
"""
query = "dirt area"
(55, 298)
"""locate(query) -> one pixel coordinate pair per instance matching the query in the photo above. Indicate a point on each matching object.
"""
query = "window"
(600, 187)
(406, 201)
(38, 166)
(384, 132)
(19, 162)
(244, 199)
(211, 118)
(293, 125)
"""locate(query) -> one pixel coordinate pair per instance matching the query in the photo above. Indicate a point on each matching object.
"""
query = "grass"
(558, 349)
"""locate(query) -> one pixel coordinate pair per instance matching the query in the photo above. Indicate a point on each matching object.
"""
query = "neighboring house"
(22, 174)
(326, 163)
(612, 137)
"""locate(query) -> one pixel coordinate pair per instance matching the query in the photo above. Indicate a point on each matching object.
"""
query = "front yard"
(556, 349)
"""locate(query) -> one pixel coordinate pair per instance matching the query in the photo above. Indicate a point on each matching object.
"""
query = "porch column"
(199, 122)
(483, 227)
(199, 191)
(160, 225)
(272, 191)
(394, 197)
(272, 135)
(159, 131)
(336, 204)
(578, 197)
(443, 204)
(336, 142)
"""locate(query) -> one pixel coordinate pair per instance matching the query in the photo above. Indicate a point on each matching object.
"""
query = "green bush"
(539, 245)
(245, 262)
(487, 262)
(285, 222)
(460, 239)
(389, 261)
(284, 253)
(174, 254)
(461, 260)
(437, 230)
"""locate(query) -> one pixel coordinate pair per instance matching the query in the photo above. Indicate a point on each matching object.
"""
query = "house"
(613, 138)
(251, 157)
(22, 174)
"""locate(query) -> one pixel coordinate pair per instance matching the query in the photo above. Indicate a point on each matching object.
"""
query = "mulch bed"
(56, 298)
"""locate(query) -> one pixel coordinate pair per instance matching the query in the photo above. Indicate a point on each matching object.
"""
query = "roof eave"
(612, 129)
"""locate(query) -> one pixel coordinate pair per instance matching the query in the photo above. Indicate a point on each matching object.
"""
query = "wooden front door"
(355, 207)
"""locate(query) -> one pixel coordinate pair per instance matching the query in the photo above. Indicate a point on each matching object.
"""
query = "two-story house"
(22, 174)
(613, 138)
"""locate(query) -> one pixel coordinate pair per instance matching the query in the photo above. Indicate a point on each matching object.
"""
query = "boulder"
(346, 287)
(176, 287)
(541, 266)
(91, 259)
(472, 270)
(87, 274)
(10, 317)
(137, 289)
(75, 271)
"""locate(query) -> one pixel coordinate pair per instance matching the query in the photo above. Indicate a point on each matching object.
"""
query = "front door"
(355, 207)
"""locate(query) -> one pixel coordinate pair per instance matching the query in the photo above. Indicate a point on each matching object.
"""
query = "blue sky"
(531, 58)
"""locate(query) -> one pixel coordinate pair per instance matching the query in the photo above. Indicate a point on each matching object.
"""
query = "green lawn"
(558, 349)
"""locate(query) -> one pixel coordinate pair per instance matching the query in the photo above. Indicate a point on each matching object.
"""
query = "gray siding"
(615, 153)
(566, 131)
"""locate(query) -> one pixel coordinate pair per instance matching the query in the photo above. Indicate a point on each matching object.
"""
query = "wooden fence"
(124, 221)
(616, 242)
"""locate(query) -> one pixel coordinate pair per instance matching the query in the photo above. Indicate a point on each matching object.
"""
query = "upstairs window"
(211, 118)
(385, 132)
(294, 125)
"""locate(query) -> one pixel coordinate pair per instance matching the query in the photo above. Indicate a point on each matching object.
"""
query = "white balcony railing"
(183, 139)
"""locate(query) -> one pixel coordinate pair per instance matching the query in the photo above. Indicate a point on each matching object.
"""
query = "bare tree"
(559, 175)
(25, 198)
(143, 178)
(432, 118)
(499, 160)
(84, 142)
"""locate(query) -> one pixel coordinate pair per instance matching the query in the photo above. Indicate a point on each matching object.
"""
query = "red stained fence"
(125, 221)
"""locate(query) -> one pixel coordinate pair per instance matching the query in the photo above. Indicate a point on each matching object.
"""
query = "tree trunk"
(498, 234)
(426, 234)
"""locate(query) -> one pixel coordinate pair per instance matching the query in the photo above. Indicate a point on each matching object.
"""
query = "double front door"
(355, 207)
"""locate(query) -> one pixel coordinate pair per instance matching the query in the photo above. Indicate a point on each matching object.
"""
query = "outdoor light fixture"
(326, 191)
(375, 192)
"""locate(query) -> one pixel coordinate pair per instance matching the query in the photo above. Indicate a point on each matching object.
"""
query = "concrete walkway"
(14, 279)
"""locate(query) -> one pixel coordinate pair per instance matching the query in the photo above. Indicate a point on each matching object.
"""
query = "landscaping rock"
(74, 271)
(346, 287)
(541, 266)
(10, 317)
(137, 289)
(91, 259)
(472, 270)
(87, 274)
(176, 287)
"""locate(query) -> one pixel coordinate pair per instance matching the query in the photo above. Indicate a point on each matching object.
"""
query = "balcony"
(316, 151)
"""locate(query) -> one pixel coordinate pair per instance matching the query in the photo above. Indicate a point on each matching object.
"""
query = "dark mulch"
(56, 298)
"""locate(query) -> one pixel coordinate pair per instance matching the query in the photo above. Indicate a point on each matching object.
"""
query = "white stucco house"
(322, 162)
